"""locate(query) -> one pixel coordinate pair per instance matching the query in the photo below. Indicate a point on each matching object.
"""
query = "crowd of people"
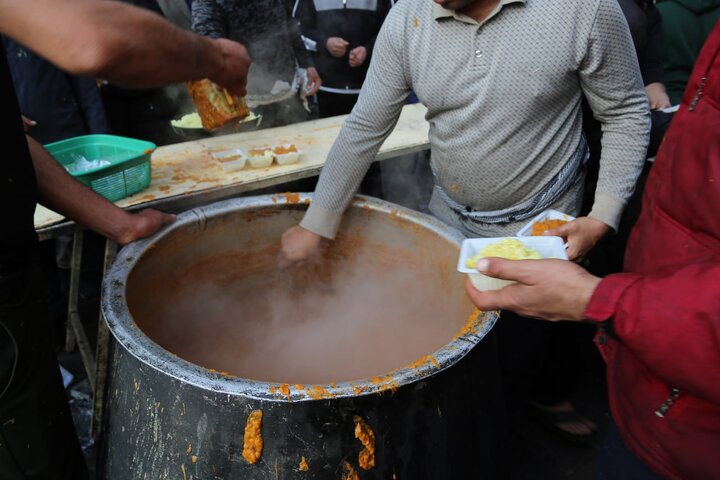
(532, 105)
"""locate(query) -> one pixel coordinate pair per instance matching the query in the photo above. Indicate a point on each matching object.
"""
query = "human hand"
(547, 289)
(236, 62)
(314, 81)
(297, 246)
(582, 234)
(358, 55)
(337, 46)
(27, 123)
(143, 224)
(657, 96)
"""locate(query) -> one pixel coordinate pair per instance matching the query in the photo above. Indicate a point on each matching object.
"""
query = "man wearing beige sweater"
(503, 82)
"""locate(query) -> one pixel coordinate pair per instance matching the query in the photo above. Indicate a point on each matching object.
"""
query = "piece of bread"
(216, 106)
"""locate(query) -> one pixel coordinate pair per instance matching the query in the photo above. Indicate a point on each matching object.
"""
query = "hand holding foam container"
(512, 248)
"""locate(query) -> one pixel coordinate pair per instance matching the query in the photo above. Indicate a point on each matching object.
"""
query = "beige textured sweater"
(504, 105)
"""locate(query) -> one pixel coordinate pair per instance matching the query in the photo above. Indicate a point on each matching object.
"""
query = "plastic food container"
(125, 163)
(231, 160)
(526, 231)
(548, 247)
(289, 157)
(260, 160)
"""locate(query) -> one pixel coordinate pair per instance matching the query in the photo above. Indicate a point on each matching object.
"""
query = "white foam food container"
(231, 160)
(546, 215)
(287, 158)
(261, 161)
(548, 247)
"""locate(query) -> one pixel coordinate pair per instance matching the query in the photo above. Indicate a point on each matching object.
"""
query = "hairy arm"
(61, 192)
(117, 42)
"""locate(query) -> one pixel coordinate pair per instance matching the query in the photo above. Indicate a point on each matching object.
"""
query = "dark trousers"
(617, 462)
(334, 104)
(540, 361)
(37, 437)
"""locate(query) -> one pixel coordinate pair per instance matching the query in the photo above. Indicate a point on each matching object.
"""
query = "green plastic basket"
(129, 169)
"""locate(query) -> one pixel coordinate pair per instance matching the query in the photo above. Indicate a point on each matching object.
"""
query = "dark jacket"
(644, 22)
(686, 25)
(63, 105)
(267, 30)
(663, 363)
(357, 21)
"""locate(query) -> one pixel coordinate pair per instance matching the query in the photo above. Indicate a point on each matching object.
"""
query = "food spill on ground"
(194, 458)
(303, 467)
(538, 228)
(349, 472)
(253, 441)
(363, 432)
(510, 248)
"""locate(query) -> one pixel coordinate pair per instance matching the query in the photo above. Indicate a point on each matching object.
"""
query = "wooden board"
(185, 174)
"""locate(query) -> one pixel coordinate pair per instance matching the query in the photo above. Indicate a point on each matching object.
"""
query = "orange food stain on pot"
(292, 197)
(285, 390)
(299, 387)
(423, 361)
(253, 441)
(359, 390)
(363, 432)
(318, 392)
(471, 325)
(303, 467)
(349, 472)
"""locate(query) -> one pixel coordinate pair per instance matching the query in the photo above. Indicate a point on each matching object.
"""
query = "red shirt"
(664, 359)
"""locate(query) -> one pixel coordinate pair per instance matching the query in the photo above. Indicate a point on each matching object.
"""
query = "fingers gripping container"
(115, 167)
(547, 247)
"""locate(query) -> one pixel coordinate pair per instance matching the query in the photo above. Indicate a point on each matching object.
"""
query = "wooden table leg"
(76, 333)
(74, 290)
(101, 354)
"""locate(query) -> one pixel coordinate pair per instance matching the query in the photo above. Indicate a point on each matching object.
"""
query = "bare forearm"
(111, 40)
(59, 191)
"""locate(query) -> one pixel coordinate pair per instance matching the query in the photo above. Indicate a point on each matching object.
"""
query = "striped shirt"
(504, 105)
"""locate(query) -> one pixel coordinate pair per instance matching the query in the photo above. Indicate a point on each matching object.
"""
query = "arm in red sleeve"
(670, 321)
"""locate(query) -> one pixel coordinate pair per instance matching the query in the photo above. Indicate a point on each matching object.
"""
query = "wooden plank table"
(185, 176)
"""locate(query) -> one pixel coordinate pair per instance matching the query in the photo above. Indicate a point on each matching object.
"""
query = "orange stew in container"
(539, 228)
(283, 149)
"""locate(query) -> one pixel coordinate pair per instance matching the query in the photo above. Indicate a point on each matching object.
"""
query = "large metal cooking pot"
(166, 417)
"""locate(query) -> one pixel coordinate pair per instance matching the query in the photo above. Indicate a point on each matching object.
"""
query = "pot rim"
(131, 338)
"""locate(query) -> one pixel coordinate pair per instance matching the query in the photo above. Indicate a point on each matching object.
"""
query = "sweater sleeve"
(670, 321)
(651, 64)
(209, 19)
(377, 111)
(610, 79)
